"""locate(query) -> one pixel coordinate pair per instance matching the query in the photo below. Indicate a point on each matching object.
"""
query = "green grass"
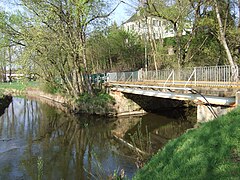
(209, 152)
(21, 86)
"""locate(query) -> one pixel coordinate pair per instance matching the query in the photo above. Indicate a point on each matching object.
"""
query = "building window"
(132, 27)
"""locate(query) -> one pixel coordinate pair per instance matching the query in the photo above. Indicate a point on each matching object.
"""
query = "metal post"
(173, 76)
(195, 78)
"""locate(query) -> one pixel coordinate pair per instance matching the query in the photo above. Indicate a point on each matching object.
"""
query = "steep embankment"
(209, 152)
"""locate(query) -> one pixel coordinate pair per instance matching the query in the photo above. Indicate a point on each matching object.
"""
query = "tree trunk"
(86, 78)
(153, 43)
(223, 40)
(10, 63)
(178, 41)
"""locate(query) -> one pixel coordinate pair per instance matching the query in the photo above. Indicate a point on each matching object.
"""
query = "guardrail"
(209, 75)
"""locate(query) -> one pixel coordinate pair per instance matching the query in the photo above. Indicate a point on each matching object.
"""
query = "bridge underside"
(156, 104)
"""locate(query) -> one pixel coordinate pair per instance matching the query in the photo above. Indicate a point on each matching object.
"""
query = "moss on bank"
(209, 152)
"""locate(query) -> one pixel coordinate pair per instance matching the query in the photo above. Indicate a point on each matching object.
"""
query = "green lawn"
(21, 86)
(209, 152)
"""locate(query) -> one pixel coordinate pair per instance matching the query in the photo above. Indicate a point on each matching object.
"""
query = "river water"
(38, 141)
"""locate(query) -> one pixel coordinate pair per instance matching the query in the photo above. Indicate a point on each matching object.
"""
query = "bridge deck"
(171, 92)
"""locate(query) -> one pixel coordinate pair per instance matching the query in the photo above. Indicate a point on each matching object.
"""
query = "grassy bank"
(19, 86)
(209, 152)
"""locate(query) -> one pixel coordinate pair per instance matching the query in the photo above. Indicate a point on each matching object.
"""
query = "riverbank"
(103, 104)
(211, 151)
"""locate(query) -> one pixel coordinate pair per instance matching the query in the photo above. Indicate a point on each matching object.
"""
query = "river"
(38, 141)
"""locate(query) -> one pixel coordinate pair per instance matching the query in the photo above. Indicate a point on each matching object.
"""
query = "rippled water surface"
(38, 141)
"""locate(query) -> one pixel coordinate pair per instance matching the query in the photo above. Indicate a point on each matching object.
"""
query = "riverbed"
(39, 141)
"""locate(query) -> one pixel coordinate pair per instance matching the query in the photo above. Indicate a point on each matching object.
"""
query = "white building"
(149, 25)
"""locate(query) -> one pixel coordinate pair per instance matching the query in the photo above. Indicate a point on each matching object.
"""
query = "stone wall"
(125, 106)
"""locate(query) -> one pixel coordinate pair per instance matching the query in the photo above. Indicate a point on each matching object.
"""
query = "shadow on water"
(38, 141)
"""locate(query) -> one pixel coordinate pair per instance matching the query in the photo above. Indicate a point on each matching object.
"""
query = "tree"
(222, 37)
(175, 12)
(116, 49)
(54, 34)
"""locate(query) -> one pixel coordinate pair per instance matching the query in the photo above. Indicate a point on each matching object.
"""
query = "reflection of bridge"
(214, 85)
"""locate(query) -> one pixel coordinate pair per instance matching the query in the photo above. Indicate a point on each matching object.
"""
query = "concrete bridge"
(214, 89)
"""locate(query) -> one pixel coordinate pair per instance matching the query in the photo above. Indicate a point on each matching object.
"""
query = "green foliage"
(209, 152)
(52, 88)
(116, 49)
(171, 41)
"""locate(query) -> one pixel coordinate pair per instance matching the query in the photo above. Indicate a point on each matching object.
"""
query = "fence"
(209, 75)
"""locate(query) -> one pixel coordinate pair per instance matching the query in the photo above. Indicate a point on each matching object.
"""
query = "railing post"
(190, 78)
(173, 76)
(237, 73)
(195, 77)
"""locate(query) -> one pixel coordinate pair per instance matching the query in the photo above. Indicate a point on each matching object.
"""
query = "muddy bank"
(4, 103)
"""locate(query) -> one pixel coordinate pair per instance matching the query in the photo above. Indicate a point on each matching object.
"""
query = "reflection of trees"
(59, 146)
(158, 130)
(65, 146)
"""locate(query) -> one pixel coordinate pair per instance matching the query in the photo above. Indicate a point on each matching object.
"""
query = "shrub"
(100, 103)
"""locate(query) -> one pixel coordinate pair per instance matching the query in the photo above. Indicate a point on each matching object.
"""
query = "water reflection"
(152, 131)
(39, 142)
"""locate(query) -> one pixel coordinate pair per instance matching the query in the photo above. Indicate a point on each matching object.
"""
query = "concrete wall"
(204, 114)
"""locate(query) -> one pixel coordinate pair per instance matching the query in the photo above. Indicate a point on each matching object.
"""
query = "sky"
(8, 6)
(122, 13)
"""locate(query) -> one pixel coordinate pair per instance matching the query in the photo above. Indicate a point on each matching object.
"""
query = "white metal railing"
(208, 76)
(170, 75)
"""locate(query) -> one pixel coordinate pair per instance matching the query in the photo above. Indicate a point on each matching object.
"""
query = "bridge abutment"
(238, 98)
(207, 113)
(124, 106)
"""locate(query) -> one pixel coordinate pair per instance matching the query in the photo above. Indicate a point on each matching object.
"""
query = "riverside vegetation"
(211, 151)
(99, 102)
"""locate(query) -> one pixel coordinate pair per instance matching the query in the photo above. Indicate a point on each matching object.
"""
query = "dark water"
(38, 141)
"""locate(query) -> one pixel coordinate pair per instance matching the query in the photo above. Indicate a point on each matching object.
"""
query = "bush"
(51, 88)
(100, 103)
